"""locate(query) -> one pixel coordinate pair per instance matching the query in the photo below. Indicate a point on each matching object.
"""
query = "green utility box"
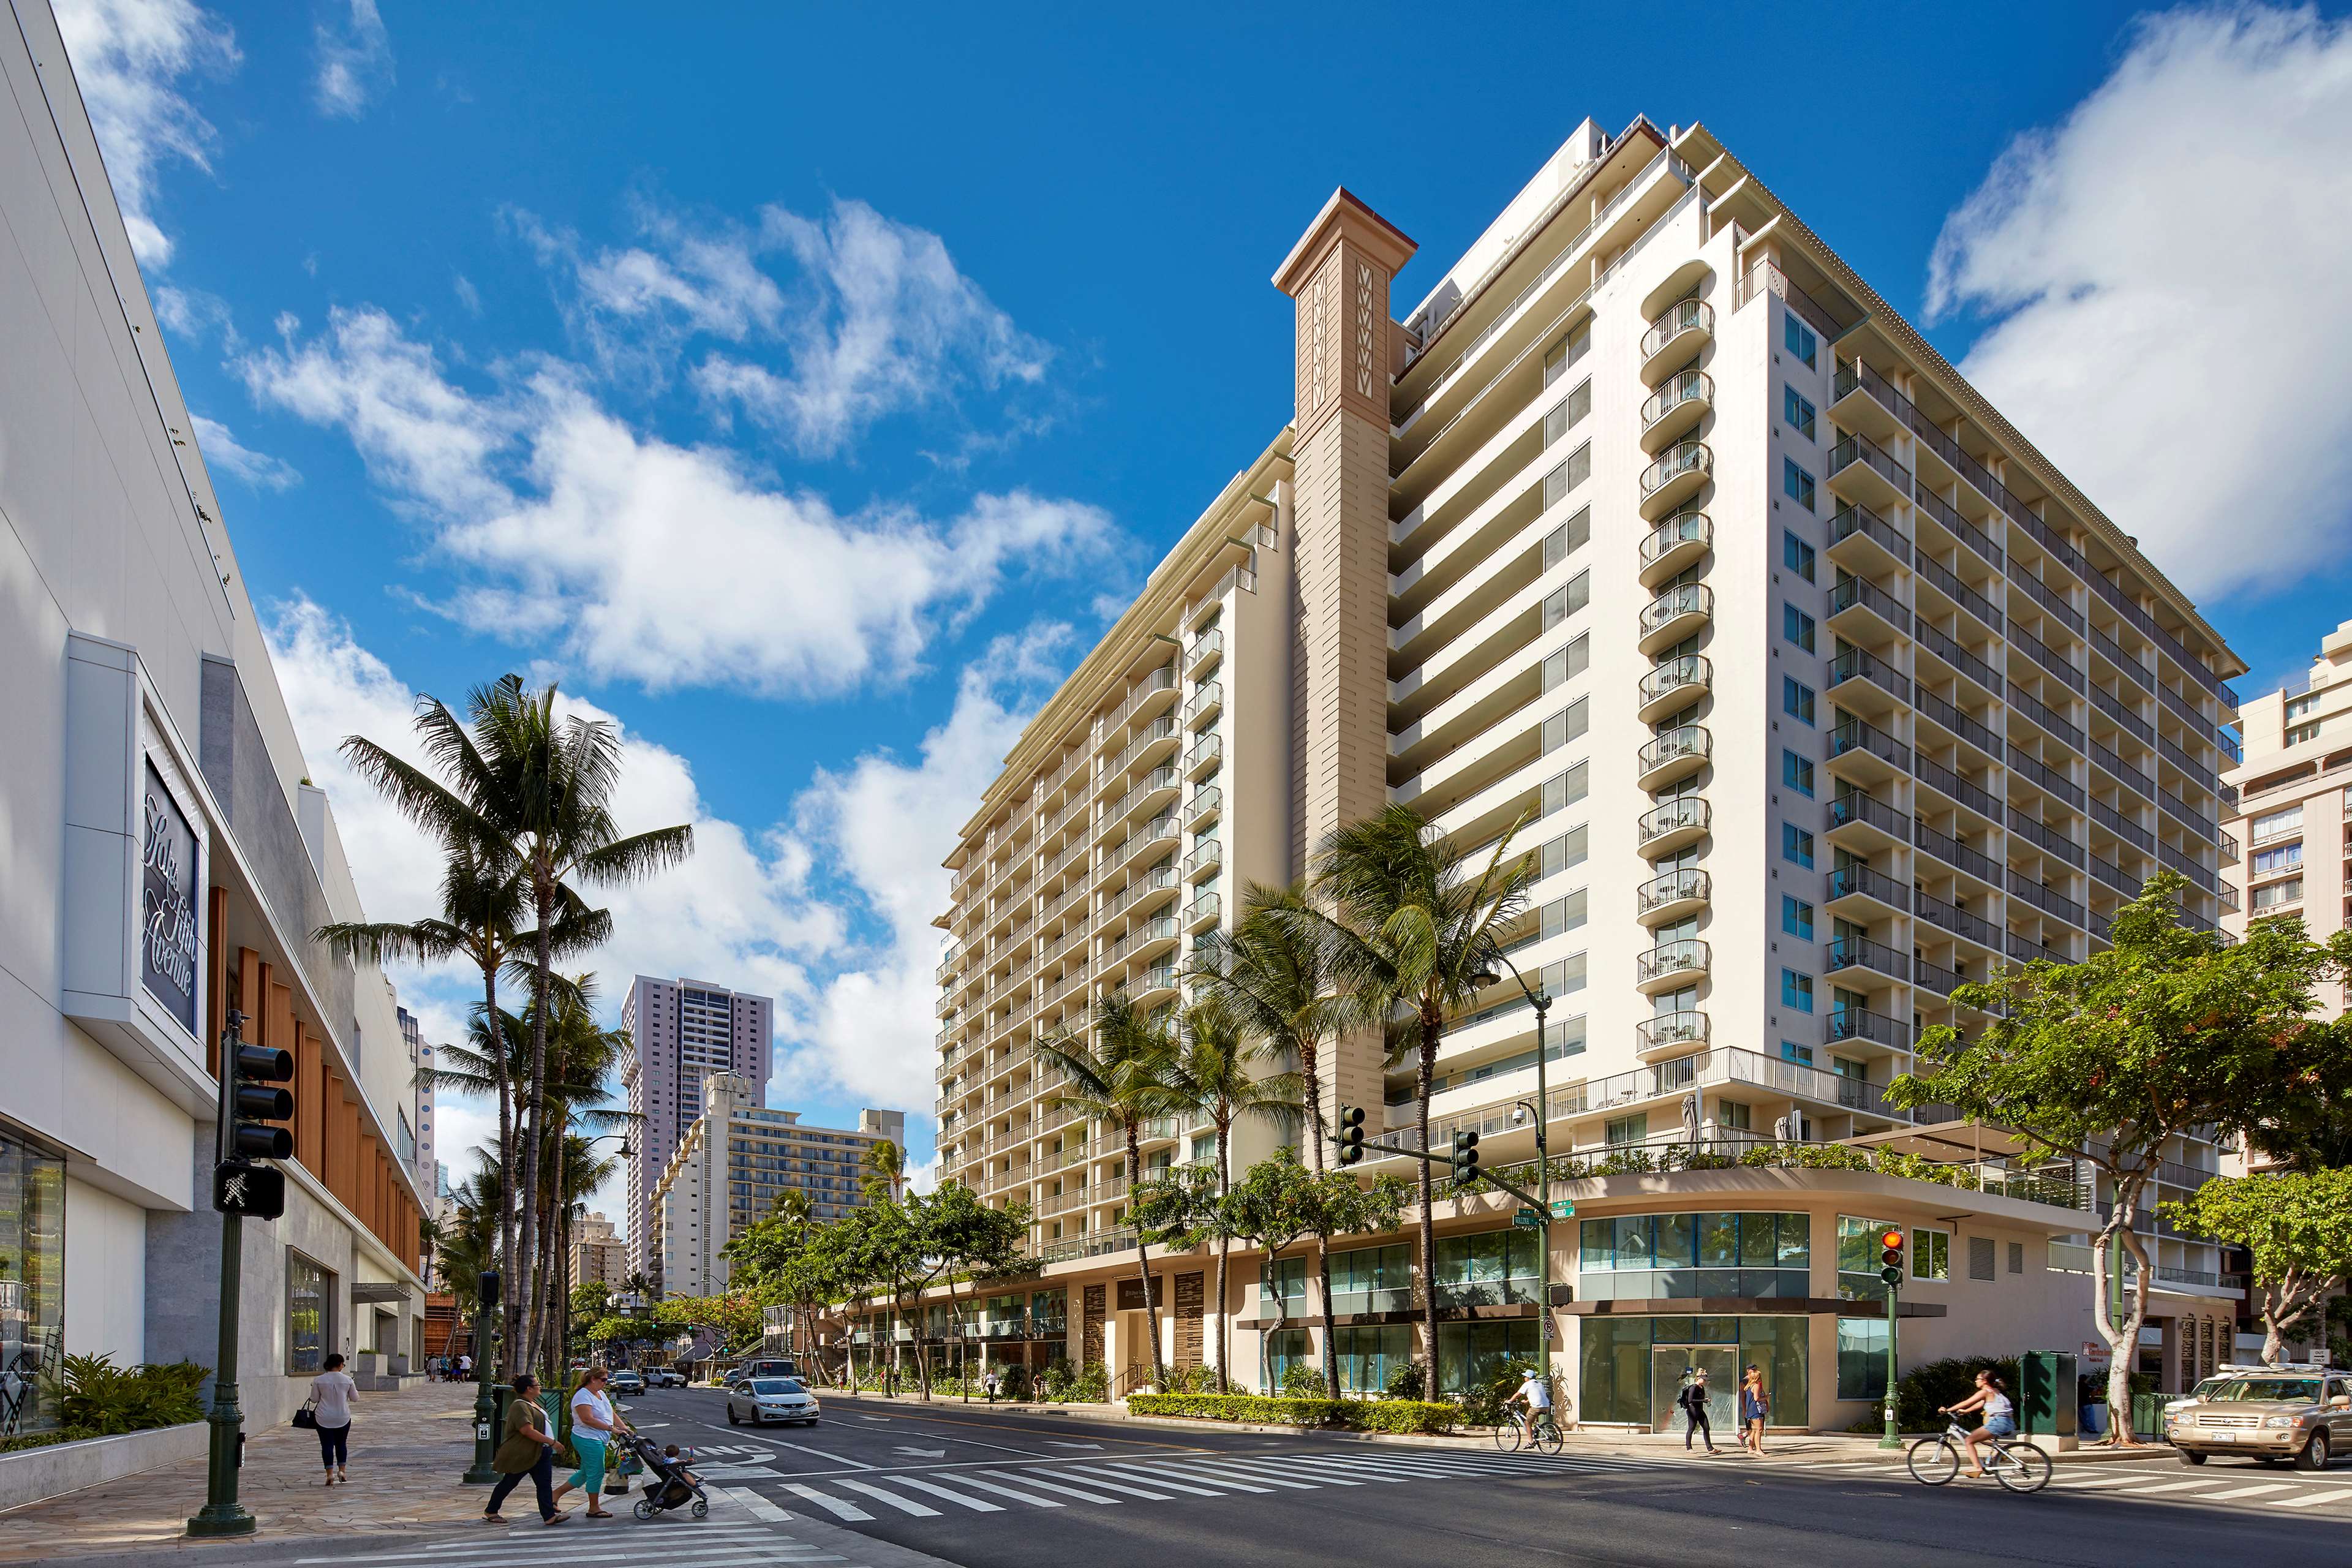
(2046, 1394)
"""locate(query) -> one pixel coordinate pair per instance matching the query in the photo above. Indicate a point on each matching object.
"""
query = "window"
(1858, 1263)
(1568, 476)
(2272, 824)
(1620, 1130)
(2285, 857)
(1792, 1052)
(1797, 411)
(1796, 700)
(1796, 772)
(2300, 707)
(1798, 627)
(1796, 844)
(309, 1315)
(1798, 339)
(1862, 1358)
(2017, 1257)
(1796, 991)
(1368, 1356)
(2276, 893)
(1566, 352)
(1796, 918)
(1796, 483)
(1567, 724)
(1475, 1355)
(1568, 414)
(1980, 1264)
(1286, 1348)
(1931, 1255)
(2302, 732)
(1733, 1113)
(1796, 555)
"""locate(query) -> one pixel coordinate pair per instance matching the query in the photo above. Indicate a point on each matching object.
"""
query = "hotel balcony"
(1860, 894)
(1676, 335)
(1672, 897)
(1674, 545)
(1863, 683)
(1675, 478)
(1669, 1034)
(1674, 686)
(1676, 754)
(1675, 824)
(1675, 409)
(1862, 824)
(1862, 473)
(1847, 953)
(1864, 542)
(1675, 614)
(1670, 965)
(1865, 754)
(1862, 611)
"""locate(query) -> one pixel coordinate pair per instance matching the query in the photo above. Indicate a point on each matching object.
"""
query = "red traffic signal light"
(1890, 1242)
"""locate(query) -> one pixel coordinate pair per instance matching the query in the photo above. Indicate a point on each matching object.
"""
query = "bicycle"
(1936, 1462)
(1511, 1436)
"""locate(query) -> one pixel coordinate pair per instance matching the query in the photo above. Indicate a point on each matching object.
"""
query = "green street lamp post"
(486, 1410)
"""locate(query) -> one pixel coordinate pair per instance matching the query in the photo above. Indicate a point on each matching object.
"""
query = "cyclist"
(1535, 1392)
(2000, 1417)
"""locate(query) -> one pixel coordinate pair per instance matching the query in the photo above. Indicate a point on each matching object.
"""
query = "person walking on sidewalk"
(528, 1450)
(1755, 1407)
(594, 1424)
(330, 1401)
(1693, 1401)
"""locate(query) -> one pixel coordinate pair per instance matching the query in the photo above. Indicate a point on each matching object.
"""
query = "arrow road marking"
(921, 1453)
(1075, 1444)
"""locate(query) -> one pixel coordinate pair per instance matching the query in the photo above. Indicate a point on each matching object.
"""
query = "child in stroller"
(669, 1484)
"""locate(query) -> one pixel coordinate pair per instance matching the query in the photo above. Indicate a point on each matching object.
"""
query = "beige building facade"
(598, 1256)
(1652, 535)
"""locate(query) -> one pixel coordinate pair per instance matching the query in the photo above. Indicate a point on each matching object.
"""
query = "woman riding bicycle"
(2000, 1417)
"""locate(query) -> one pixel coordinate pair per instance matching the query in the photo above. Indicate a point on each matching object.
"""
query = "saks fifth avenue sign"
(167, 915)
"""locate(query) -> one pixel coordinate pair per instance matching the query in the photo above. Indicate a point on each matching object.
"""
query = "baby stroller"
(667, 1484)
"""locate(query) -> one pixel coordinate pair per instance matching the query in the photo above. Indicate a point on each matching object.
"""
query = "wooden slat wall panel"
(1191, 1294)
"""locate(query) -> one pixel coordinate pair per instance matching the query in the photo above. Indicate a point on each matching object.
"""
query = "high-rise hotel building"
(1652, 535)
(681, 1033)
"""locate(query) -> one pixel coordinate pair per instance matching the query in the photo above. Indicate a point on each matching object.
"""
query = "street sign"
(257, 1191)
(1563, 1208)
(1527, 1219)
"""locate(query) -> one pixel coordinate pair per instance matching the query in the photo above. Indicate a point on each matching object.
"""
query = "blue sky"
(802, 386)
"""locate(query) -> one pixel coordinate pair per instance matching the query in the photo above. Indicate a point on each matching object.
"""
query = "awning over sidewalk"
(1750, 1307)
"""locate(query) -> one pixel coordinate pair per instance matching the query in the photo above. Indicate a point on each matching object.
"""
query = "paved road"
(994, 1489)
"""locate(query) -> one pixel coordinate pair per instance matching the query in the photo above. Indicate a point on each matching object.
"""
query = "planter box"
(37, 1473)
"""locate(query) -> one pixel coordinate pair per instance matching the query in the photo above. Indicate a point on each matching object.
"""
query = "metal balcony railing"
(1863, 591)
(1690, 315)
(1854, 518)
(1689, 456)
(1683, 528)
(1861, 953)
(1859, 664)
(1673, 817)
(1688, 955)
(1854, 806)
(1673, 887)
(1856, 735)
(1860, 880)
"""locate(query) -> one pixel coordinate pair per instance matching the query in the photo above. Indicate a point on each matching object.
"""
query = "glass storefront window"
(1286, 1278)
(1862, 1358)
(1285, 1347)
(1621, 1358)
(1372, 1280)
(32, 1283)
(309, 1315)
(1490, 1268)
(1858, 1262)
(1473, 1356)
(1368, 1355)
(1651, 1256)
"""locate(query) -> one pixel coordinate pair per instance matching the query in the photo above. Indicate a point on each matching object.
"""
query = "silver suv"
(2299, 1411)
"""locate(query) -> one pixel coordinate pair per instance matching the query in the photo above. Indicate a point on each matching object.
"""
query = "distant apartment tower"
(683, 1031)
(416, 1136)
(730, 1166)
(598, 1256)
(2290, 809)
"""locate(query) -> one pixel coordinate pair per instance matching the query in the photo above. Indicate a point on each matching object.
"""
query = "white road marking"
(760, 1506)
(922, 1453)
(972, 1480)
(902, 1504)
(1094, 1480)
(1094, 1446)
(2313, 1500)
(1157, 1479)
(1162, 1468)
(832, 1505)
(821, 1453)
(1035, 1480)
(1326, 1474)
(1216, 1469)
(974, 1503)
(2248, 1491)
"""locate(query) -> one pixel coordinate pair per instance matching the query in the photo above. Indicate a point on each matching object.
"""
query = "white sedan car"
(760, 1400)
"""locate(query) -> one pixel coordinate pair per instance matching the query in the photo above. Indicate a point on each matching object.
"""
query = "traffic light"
(1351, 1134)
(256, 1101)
(1465, 1155)
(1890, 1253)
(487, 1296)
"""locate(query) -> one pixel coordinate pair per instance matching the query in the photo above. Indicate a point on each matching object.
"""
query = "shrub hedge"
(1368, 1415)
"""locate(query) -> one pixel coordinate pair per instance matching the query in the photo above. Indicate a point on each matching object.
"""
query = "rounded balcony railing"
(1674, 685)
(1679, 753)
(1675, 614)
(1674, 477)
(1670, 1031)
(1667, 897)
(1686, 325)
(1663, 829)
(1671, 963)
(1674, 545)
(1675, 406)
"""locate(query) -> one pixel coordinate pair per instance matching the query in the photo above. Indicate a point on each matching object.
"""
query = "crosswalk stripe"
(1094, 1480)
(1163, 1467)
(1035, 1480)
(977, 1505)
(971, 1481)
(2334, 1494)
(1255, 1472)
(904, 1505)
(760, 1506)
(832, 1505)
(2248, 1491)
(1152, 1475)
(1326, 1474)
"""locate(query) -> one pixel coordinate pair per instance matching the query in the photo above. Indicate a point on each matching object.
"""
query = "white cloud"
(222, 450)
(468, 295)
(128, 58)
(354, 56)
(638, 559)
(196, 314)
(2165, 266)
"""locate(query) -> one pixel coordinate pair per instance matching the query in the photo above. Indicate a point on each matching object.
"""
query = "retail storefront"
(32, 1281)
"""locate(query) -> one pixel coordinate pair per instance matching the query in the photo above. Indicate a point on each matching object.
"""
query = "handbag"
(307, 1417)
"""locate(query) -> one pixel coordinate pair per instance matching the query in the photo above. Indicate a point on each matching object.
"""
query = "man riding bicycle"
(2000, 1414)
(1535, 1392)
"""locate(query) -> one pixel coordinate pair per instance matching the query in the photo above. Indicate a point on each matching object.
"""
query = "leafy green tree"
(2105, 1060)
(2297, 1226)
(1413, 923)
(1268, 1207)
(884, 1178)
(1278, 1204)
(971, 1241)
(1214, 1072)
(1119, 1079)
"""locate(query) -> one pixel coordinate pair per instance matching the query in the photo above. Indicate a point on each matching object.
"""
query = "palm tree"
(533, 793)
(1412, 924)
(1119, 1079)
(796, 1212)
(1213, 1073)
(883, 1177)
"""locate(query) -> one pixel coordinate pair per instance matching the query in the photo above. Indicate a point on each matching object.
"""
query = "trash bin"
(2046, 1394)
(2095, 1420)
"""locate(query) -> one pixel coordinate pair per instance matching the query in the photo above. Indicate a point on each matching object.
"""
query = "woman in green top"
(528, 1450)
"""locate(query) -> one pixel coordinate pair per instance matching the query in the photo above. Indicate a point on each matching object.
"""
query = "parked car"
(666, 1377)
(628, 1380)
(760, 1400)
(2300, 1411)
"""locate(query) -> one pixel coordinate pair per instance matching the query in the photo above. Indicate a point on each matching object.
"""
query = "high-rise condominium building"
(1652, 536)
(2291, 809)
(414, 1128)
(597, 1254)
(683, 1032)
(736, 1159)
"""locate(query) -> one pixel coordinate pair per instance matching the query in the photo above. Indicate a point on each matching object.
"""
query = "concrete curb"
(32, 1475)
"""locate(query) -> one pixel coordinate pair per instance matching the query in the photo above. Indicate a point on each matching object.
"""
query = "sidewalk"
(407, 1451)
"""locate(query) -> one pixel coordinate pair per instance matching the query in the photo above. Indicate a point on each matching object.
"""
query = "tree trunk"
(2122, 1339)
(1424, 1070)
(1143, 1262)
(542, 879)
(506, 1236)
(1224, 1253)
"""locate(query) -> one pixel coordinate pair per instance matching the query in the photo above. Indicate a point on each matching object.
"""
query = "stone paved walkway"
(407, 1451)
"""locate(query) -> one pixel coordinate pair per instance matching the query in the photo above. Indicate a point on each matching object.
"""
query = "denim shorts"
(2000, 1426)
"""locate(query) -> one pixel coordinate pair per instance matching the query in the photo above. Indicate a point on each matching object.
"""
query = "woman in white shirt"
(330, 1404)
(594, 1423)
